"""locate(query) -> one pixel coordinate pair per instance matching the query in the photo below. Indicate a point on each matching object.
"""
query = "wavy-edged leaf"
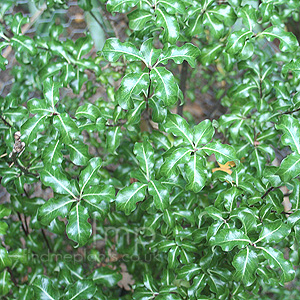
(89, 174)
(160, 194)
(273, 232)
(89, 111)
(121, 6)
(288, 41)
(24, 43)
(128, 197)
(97, 198)
(245, 263)
(79, 153)
(51, 92)
(106, 276)
(222, 152)
(145, 155)
(81, 289)
(228, 238)
(59, 206)
(170, 25)
(132, 84)
(113, 138)
(32, 126)
(52, 153)
(66, 126)
(291, 128)
(237, 40)
(44, 289)
(276, 260)
(178, 126)
(138, 19)
(210, 53)
(203, 133)
(187, 52)
(178, 156)
(113, 49)
(78, 228)
(54, 178)
(5, 260)
(195, 173)
(166, 87)
(289, 167)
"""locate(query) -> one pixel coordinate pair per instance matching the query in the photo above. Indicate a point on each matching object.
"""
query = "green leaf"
(5, 283)
(106, 276)
(89, 111)
(223, 152)
(289, 167)
(81, 289)
(23, 43)
(31, 127)
(295, 195)
(187, 52)
(145, 155)
(97, 198)
(78, 228)
(210, 53)
(113, 49)
(59, 206)
(178, 156)
(165, 86)
(276, 260)
(79, 153)
(53, 177)
(195, 173)
(113, 138)
(273, 232)
(170, 25)
(128, 197)
(245, 263)
(288, 41)
(249, 16)
(51, 92)
(160, 194)
(187, 272)
(290, 127)
(39, 106)
(66, 126)
(138, 19)
(203, 133)
(227, 239)
(132, 84)
(52, 153)
(44, 289)
(5, 260)
(4, 211)
(89, 174)
(120, 5)
(178, 126)
(237, 40)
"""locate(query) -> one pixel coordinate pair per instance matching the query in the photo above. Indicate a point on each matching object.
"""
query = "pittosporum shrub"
(133, 186)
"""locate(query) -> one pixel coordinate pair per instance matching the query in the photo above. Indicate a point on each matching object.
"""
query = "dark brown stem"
(46, 240)
(291, 112)
(22, 224)
(5, 122)
(13, 279)
(267, 192)
(182, 85)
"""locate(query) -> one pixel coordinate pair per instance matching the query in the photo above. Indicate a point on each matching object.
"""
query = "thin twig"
(13, 279)
(22, 224)
(291, 112)
(182, 85)
(46, 240)
(267, 192)
(99, 23)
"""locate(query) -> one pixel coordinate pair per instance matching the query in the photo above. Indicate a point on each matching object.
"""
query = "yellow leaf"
(225, 168)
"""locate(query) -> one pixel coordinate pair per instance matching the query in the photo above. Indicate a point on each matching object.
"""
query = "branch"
(182, 85)
(267, 192)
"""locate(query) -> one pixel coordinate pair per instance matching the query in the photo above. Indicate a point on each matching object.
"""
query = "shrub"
(131, 185)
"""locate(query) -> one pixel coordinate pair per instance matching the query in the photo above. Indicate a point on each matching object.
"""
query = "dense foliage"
(185, 209)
